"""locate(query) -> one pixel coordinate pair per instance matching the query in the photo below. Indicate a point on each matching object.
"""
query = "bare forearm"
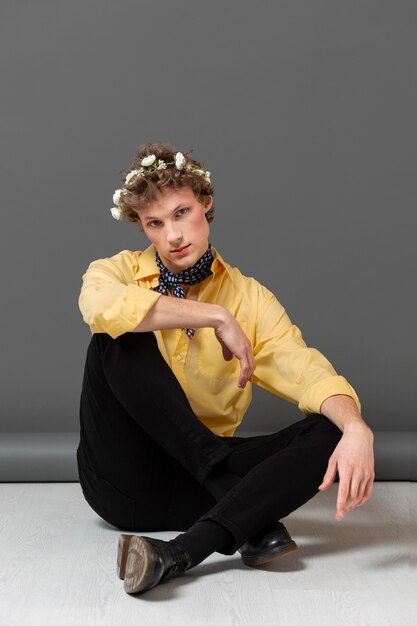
(343, 412)
(170, 312)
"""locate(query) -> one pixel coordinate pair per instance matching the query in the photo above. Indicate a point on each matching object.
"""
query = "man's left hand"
(353, 459)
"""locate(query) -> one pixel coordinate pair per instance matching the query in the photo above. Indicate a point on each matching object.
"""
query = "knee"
(129, 338)
(126, 345)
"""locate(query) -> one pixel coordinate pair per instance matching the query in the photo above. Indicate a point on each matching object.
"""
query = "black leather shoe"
(149, 561)
(267, 544)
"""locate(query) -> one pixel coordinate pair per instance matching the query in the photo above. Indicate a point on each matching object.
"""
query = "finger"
(352, 504)
(251, 363)
(330, 475)
(369, 488)
(244, 377)
(357, 487)
(364, 491)
(244, 374)
(246, 369)
(250, 357)
(367, 493)
(342, 495)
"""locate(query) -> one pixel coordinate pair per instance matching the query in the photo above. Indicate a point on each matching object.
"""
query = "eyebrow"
(150, 217)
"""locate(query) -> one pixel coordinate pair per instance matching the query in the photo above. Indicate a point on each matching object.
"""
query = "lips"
(179, 249)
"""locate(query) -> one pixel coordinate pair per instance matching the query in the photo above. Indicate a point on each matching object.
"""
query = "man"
(205, 331)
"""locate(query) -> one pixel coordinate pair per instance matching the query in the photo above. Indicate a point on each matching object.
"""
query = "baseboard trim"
(51, 457)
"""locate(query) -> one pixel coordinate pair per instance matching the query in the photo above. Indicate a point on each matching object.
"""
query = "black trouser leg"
(136, 428)
(134, 371)
(142, 469)
(280, 473)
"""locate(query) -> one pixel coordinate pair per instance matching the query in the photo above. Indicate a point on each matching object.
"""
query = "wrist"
(220, 315)
(357, 426)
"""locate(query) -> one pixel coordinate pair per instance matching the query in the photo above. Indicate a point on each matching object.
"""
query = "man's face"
(174, 220)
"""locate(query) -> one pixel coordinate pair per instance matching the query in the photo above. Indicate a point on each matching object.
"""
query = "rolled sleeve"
(318, 392)
(286, 366)
(110, 302)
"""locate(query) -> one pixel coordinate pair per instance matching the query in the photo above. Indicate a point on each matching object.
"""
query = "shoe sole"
(270, 555)
(122, 552)
(140, 565)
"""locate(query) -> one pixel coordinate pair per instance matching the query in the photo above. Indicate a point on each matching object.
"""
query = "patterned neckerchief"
(190, 276)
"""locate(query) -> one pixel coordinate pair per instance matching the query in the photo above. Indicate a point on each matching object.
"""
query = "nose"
(173, 236)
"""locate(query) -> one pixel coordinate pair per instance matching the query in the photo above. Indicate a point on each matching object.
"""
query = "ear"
(208, 201)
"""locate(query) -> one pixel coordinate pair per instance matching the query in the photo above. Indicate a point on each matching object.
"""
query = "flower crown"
(148, 164)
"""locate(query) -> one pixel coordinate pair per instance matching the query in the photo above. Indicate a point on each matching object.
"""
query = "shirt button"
(178, 357)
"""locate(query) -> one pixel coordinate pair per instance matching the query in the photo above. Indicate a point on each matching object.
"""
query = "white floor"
(58, 567)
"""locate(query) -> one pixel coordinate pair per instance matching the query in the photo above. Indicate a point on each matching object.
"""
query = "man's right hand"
(169, 312)
(234, 342)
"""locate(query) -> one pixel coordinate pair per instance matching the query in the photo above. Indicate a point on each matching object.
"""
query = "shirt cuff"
(129, 310)
(316, 394)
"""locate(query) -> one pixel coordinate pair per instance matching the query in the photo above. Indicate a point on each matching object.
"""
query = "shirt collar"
(148, 269)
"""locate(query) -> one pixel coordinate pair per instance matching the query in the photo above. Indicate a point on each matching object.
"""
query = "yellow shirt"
(116, 294)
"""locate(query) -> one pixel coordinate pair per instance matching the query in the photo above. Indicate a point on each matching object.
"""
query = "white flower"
(179, 160)
(162, 165)
(148, 160)
(203, 173)
(116, 213)
(116, 196)
(133, 173)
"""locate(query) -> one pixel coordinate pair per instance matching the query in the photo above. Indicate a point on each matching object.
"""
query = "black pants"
(143, 454)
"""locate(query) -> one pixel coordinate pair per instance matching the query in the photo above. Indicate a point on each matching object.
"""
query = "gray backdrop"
(304, 112)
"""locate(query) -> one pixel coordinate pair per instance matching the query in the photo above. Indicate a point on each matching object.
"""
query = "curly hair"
(141, 191)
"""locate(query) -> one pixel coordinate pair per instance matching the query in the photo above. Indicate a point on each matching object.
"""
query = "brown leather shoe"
(267, 544)
(143, 562)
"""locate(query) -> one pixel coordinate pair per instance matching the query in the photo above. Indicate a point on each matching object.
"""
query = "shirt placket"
(179, 358)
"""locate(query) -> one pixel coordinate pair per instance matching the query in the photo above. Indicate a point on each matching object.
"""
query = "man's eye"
(158, 221)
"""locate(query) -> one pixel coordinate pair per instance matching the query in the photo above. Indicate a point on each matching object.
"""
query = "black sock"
(202, 539)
